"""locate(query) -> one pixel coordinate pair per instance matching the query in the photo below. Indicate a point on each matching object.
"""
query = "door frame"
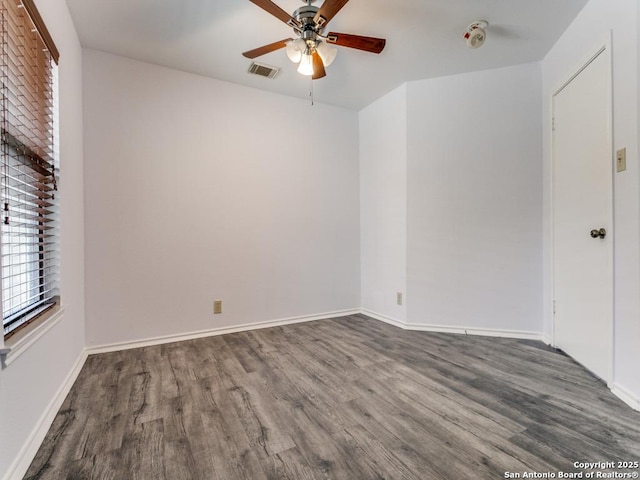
(603, 48)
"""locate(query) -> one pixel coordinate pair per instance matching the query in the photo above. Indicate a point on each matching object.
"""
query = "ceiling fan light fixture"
(295, 49)
(327, 53)
(293, 53)
(306, 63)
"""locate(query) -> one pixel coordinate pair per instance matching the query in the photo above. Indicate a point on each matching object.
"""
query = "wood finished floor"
(350, 398)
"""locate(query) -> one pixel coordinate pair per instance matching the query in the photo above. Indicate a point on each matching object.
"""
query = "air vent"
(263, 70)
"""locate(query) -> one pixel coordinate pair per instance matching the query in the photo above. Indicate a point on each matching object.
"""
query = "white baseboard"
(28, 451)
(486, 332)
(384, 318)
(113, 347)
(626, 396)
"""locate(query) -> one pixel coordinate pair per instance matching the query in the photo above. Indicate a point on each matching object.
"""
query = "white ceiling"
(424, 39)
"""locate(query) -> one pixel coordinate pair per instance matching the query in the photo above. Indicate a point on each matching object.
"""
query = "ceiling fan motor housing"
(309, 30)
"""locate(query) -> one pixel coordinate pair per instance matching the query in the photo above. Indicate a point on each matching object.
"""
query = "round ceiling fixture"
(475, 35)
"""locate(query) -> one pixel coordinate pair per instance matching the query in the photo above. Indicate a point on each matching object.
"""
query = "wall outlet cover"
(217, 306)
(621, 160)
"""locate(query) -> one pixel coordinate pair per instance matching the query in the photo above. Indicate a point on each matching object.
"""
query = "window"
(28, 166)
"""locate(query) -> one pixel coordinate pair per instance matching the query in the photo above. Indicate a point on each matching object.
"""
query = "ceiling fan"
(312, 48)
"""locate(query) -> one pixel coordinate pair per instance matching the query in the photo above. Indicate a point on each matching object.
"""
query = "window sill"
(25, 338)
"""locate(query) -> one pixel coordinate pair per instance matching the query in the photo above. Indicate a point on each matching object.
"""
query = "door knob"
(598, 233)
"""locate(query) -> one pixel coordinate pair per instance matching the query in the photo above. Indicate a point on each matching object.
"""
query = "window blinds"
(29, 246)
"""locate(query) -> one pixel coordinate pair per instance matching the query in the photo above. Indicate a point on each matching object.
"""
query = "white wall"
(31, 382)
(474, 200)
(199, 190)
(599, 20)
(383, 204)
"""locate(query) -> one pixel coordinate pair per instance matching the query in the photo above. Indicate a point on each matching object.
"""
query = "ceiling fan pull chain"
(311, 91)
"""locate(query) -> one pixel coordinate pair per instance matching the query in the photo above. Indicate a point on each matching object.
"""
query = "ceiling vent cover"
(263, 70)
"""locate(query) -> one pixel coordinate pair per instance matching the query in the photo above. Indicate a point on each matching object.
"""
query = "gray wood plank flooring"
(348, 398)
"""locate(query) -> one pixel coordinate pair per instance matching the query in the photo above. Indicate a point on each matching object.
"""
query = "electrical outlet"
(217, 306)
(399, 298)
(621, 160)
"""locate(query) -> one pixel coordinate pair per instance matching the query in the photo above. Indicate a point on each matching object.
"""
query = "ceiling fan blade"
(272, 47)
(368, 44)
(328, 10)
(318, 66)
(276, 11)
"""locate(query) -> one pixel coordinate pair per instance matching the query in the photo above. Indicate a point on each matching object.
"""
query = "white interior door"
(582, 202)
